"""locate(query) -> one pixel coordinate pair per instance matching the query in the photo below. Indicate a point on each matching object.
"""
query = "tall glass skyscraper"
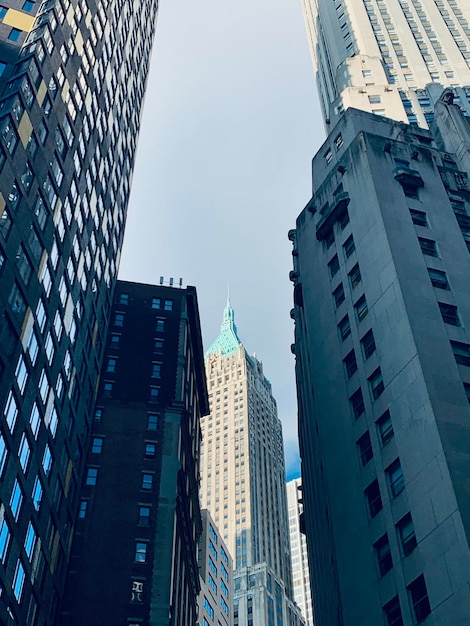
(243, 480)
(389, 57)
(72, 83)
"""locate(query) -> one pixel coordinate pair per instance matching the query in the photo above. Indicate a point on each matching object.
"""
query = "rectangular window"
(361, 308)
(30, 541)
(376, 383)
(144, 516)
(111, 365)
(152, 421)
(150, 450)
(333, 266)
(4, 539)
(392, 613)
(329, 238)
(357, 403)
(147, 481)
(160, 326)
(24, 452)
(383, 554)
(368, 344)
(449, 313)
(461, 352)
(355, 276)
(375, 99)
(140, 552)
(97, 445)
(418, 217)
(364, 446)
(119, 319)
(37, 493)
(92, 475)
(158, 346)
(349, 247)
(438, 278)
(82, 509)
(156, 370)
(419, 599)
(396, 481)
(3, 454)
(350, 364)
(428, 246)
(19, 577)
(385, 428)
(168, 305)
(344, 328)
(16, 500)
(156, 303)
(406, 534)
(154, 393)
(338, 295)
(11, 411)
(124, 298)
(373, 498)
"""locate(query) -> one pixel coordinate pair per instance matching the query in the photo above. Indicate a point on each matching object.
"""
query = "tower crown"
(228, 341)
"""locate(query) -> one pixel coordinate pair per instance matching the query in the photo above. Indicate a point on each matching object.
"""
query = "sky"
(231, 122)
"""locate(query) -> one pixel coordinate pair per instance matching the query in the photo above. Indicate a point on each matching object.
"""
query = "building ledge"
(332, 213)
(408, 176)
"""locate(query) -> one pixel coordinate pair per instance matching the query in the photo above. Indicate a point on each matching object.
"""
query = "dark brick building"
(134, 555)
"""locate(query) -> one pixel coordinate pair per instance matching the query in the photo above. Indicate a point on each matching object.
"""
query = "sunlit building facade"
(389, 57)
(72, 82)
(243, 480)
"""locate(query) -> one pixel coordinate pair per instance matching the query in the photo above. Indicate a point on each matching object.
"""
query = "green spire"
(227, 342)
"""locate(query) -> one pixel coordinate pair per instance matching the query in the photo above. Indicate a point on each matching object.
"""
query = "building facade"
(243, 480)
(141, 481)
(215, 601)
(298, 550)
(382, 312)
(72, 81)
(389, 57)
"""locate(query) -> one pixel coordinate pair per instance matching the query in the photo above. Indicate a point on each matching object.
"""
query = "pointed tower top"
(227, 341)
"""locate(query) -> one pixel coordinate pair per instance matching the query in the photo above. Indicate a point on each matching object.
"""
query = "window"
(376, 383)
(37, 493)
(107, 389)
(3, 454)
(355, 276)
(30, 541)
(438, 278)
(124, 298)
(24, 452)
(343, 220)
(158, 346)
(465, 385)
(385, 428)
(150, 450)
(338, 141)
(16, 500)
(374, 500)
(208, 607)
(156, 303)
(140, 552)
(461, 352)
(375, 99)
(160, 326)
(364, 446)
(392, 612)
(344, 328)
(156, 370)
(18, 580)
(418, 217)
(350, 364)
(357, 403)
(338, 295)
(428, 246)
(383, 554)
(329, 238)
(14, 35)
(111, 365)
(168, 305)
(361, 308)
(147, 481)
(349, 247)
(328, 155)
(152, 421)
(3, 11)
(333, 266)
(419, 599)
(119, 319)
(406, 534)
(154, 392)
(91, 476)
(449, 313)
(396, 481)
(97, 445)
(368, 344)
(144, 516)
(82, 509)
(4, 539)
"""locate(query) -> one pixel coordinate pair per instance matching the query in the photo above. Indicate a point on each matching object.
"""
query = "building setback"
(134, 554)
(243, 480)
(215, 571)
(72, 81)
(298, 549)
(389, 57)
(382, 312)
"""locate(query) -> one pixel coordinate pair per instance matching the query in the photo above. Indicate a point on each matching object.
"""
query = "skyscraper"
(298, 547)
(134, 555)
(382, 304)
(243, 480)
(72, 83)
(389, 57)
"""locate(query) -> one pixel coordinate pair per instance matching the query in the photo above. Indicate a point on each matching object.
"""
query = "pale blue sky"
(231, 122)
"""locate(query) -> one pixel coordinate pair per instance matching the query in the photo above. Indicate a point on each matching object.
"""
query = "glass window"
(357, 403)
(150, 450)
(140, 552)
(154, 393)
(144, 515)
(406, 534)
(364, 446)
(160, 326)
(392, 613)
(438, 278)
(92, 476)
(11, 411)
(47, 460)
(338, 295)
(333, 266)
(4, 539)
(461, 352)
(361, 308)
(383, 554)
(385, 428)
(97, 445)
(373, 498)
(156, 303)
(344, 328)
(168, 305)
(30, 541)
(355, 276)
(419, 599)
(14, 34)
(82, 509)
(37, 493)
(147, 481)
(368, 344)
(349, 247)
(418, 217)
(449, 313)
(24, 452)
(152, 421)
(18, 580)
(350, 364)
(156, 370)
(395, 478)
(376, 383)
(16, 499)
(428, 246)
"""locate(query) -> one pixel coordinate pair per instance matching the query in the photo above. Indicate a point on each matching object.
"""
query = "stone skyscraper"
(243, 480)
(72, 82)
(389, 57)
